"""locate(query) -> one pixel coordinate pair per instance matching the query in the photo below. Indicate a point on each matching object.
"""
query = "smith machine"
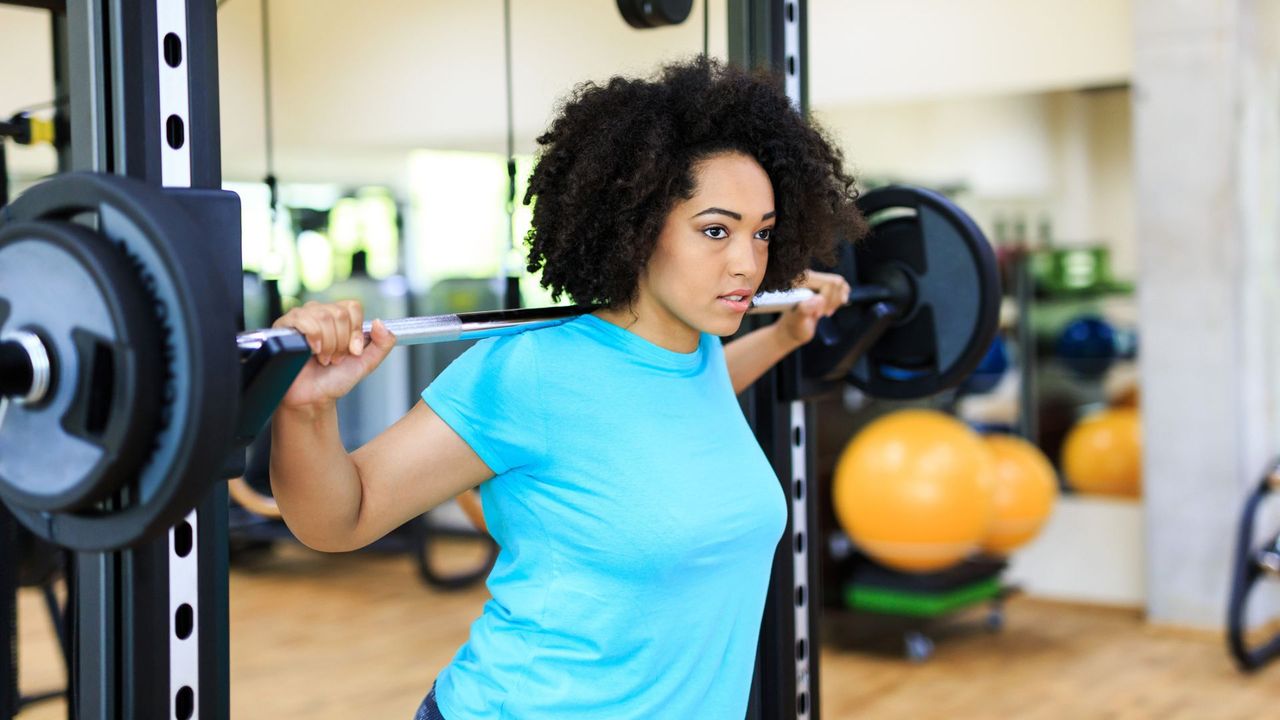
(129, 392)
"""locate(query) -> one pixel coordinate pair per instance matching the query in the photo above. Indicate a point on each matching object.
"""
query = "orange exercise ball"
(1103, 454)
(913, 490)
(1024, 489)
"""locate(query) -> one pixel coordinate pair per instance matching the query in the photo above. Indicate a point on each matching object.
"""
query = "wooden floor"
(358, 636)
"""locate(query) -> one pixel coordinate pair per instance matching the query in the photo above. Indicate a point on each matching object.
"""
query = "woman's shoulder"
(524, 346)
(560, 336)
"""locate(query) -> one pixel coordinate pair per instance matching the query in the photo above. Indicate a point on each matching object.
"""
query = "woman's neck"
(653, 323)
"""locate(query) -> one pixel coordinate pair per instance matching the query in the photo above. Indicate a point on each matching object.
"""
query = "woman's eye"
(765, 234)
(716, 232)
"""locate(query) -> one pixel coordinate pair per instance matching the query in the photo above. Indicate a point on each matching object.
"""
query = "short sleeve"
(490, 396)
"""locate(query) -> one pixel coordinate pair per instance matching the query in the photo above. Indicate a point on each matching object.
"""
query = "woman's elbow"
(325, 542)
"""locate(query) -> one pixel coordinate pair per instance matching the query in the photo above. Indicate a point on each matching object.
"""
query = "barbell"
(125, 388)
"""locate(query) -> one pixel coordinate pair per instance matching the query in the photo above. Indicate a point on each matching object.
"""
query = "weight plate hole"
(182, 539)
(101, 389)
(184, 621)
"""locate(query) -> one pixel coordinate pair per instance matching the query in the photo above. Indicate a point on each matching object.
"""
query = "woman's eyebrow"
(732, 214)
(719, 211)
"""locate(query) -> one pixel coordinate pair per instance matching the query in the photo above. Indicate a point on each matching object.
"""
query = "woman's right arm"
(335, 501)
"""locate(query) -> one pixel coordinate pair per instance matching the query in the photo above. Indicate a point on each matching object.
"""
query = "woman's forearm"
(751, 355)
(316, 484)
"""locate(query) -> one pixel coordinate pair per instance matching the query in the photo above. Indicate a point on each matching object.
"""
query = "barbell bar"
(491, 323)
(25, 368)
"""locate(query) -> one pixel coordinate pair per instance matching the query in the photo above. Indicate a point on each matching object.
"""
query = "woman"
(636, 513)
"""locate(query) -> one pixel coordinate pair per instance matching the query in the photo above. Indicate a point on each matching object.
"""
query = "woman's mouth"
(737, 301)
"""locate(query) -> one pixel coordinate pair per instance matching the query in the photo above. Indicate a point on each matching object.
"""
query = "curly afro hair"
(619, 156)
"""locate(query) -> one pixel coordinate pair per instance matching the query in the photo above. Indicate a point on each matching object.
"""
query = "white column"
(1206, 157)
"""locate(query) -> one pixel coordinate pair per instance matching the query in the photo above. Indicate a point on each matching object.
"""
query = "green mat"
(919, 604)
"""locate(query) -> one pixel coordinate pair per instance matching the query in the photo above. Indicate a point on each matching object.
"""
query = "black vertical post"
(61, 91)
(211, 545)
(96, 602)
(151, 622)
(770, 34)
(4, 175)
(1024, 292)
(8, 613)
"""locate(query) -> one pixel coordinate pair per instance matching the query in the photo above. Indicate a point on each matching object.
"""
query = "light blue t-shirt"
(637, 517)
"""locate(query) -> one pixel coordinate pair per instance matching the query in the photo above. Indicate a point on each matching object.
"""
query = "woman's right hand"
(340, 358)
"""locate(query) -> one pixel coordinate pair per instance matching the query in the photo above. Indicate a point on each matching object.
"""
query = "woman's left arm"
(751, 355)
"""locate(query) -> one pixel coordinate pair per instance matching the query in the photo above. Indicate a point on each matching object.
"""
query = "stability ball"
(1103, 453)
(1088, 346)
(913, 490)
(1024, 487)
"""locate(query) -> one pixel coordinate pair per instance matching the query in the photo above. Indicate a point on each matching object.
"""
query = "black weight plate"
(82, 298)
(199, 383)
(924, 244)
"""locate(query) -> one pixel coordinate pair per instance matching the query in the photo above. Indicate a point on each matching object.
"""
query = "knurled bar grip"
(443, 328)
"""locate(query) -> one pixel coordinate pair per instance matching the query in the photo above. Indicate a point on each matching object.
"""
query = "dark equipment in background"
(646, 14)
(1251, 565)
(28, 562)
(23, 129)
(880, 608)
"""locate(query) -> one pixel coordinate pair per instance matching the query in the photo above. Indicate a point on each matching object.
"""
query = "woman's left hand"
(831, 292)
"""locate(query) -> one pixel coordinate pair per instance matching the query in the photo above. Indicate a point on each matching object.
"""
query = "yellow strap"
(41, 131)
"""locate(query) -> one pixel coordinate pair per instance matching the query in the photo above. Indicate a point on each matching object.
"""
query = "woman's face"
(710, 256)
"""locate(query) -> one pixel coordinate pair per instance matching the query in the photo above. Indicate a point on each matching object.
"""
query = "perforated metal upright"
(140, 78)
(771, 34)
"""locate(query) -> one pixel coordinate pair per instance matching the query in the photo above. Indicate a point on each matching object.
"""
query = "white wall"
(1091, 550)
(880, 51)
(358, 84)
(1064, 155)
(379, 77)
(1207, 153)
(999, 146)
